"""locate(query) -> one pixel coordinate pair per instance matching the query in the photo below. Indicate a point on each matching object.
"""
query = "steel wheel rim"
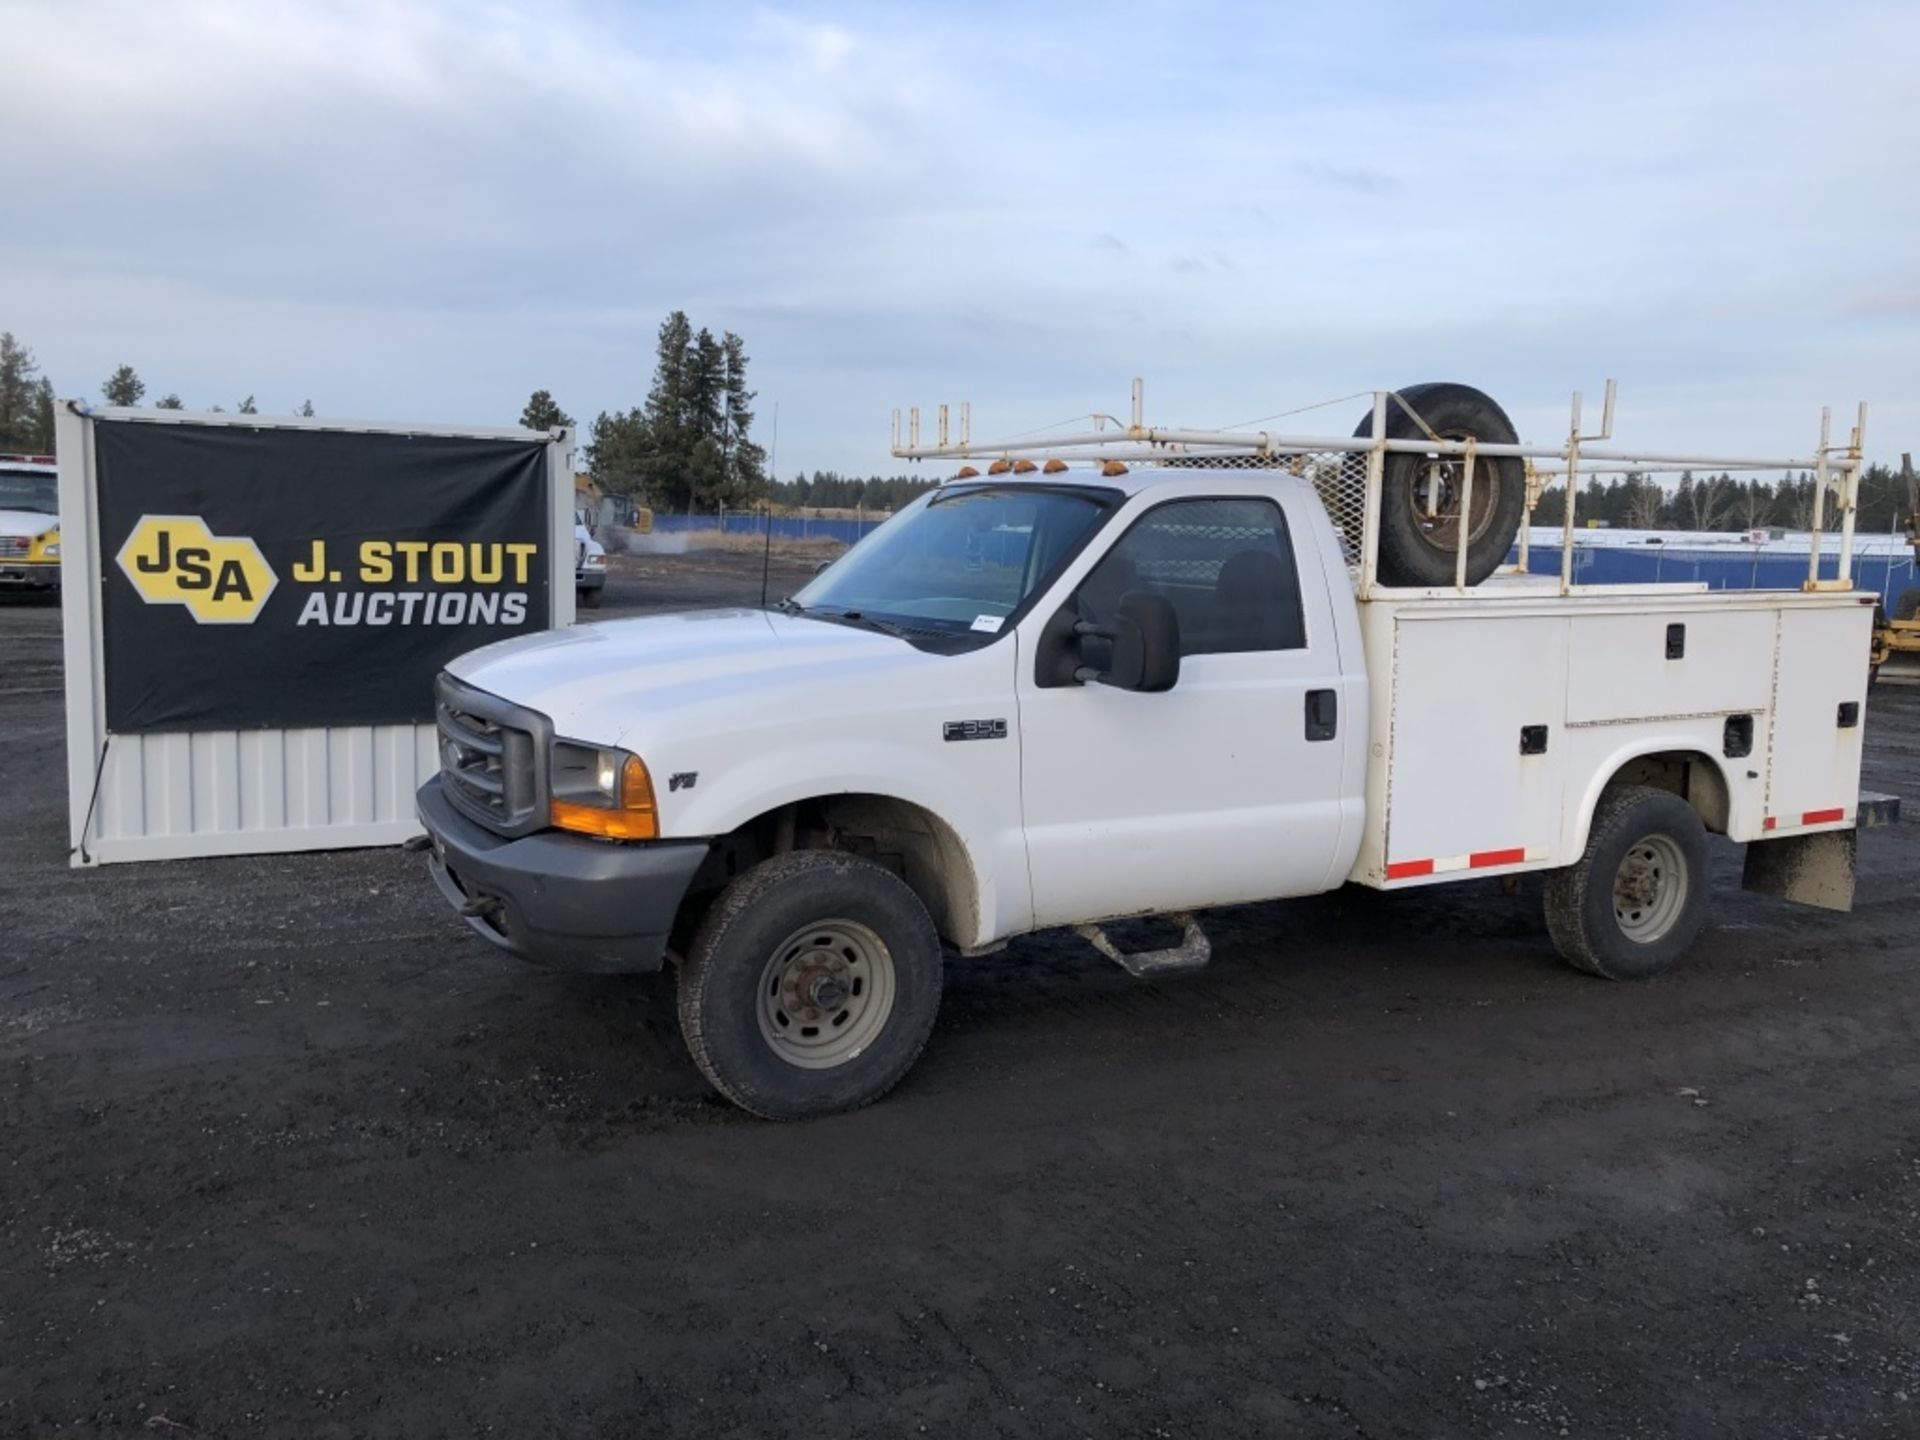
(1442, 528)
(825, 994)
(1650, 888)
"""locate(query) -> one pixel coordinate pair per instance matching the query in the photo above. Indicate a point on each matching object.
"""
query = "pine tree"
(306, 410)
(618, 451)
(663, 428)
(1793, 501)
(706, 475)
(689, 446)
(123, 387)
(705, 413)
(17, 393)
(247, 407)
(746, 461)
(543, 414)
(40, 429)
(169, 401)
(1644, 502)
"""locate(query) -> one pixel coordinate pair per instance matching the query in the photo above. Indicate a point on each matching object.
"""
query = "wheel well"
(1691, 774)
(910, 840)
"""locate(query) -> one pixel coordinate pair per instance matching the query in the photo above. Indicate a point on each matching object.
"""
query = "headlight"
(593, 560)
(601, 791)
(52, 548)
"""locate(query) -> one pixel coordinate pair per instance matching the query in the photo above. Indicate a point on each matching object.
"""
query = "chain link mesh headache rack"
(1348, 471)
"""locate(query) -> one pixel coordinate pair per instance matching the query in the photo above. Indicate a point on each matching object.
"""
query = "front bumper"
(564, 901)
(589, 579)
(19, 575)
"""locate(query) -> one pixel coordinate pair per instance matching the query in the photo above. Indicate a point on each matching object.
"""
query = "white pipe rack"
(1141, 443)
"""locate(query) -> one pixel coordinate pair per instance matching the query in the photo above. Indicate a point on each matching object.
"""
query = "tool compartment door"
(1813, 774)
(1628, 671)
(1462, 795)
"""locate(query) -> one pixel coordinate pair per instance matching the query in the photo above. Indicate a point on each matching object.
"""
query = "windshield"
(960, 560)
(27, 490)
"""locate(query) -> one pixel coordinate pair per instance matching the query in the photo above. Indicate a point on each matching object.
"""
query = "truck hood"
(27, 522)
(603, 683)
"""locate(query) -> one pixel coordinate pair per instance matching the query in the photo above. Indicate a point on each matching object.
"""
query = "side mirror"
(1143, 638)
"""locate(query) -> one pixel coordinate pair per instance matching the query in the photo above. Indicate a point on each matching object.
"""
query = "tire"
(590, 599)
(1907, 607)
(1416, 549)
(1596, 906)
(787, 933)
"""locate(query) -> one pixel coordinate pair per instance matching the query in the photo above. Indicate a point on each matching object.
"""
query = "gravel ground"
(288, 1153)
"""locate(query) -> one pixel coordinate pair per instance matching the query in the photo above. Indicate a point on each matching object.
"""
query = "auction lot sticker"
(291, 578)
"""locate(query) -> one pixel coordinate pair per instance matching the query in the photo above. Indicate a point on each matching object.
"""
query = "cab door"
(1226, 788)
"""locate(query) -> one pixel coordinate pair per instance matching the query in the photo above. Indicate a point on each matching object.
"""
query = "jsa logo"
(176, 560)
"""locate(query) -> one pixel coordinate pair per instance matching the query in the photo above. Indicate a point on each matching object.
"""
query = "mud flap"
(1806, 869)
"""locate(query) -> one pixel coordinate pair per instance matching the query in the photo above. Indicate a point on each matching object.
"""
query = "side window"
(1226, 566)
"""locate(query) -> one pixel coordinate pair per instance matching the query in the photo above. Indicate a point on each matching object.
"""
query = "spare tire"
(1420, 528)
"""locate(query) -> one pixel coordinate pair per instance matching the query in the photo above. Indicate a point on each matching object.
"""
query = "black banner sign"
(305, 578)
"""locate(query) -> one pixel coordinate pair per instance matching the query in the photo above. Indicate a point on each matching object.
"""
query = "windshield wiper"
(885, 627)
(860, 620)
(790, 606)
(865, 621)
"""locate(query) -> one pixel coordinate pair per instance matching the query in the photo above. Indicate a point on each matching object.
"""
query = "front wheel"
(1636, 901)
(811, 985)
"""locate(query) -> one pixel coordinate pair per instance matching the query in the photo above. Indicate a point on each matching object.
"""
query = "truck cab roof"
(1129, 480)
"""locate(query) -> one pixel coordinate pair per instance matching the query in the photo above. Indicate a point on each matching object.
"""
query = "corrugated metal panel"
(232, 792)
(226, 792)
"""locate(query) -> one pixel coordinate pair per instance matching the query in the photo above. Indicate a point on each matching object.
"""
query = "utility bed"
(1495, 714)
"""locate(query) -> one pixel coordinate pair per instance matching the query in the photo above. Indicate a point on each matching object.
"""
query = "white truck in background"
(589, 561)
(1249, 668)
(29, 524)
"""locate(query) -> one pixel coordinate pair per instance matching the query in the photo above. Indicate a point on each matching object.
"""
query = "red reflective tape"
(1768, 823)
(1823, 817)
(1496, 857)
(1407, 869)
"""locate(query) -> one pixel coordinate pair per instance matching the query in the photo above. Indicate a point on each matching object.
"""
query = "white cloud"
(427, 210)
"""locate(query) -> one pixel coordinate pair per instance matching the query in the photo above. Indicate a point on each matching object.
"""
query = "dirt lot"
(288, 1153)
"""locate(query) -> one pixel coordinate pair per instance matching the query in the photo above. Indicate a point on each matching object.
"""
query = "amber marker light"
(629, 815)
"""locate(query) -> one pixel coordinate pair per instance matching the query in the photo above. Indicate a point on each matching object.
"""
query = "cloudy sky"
(426, 210)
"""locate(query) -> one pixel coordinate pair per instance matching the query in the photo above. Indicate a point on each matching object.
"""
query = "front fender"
(726, 798)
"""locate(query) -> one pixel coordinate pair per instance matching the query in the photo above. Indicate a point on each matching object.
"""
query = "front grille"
(14, 544)
(489, 750)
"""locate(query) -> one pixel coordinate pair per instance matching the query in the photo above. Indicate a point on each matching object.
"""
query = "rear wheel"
(1421, 524)
(1635, 902)
(811, 985)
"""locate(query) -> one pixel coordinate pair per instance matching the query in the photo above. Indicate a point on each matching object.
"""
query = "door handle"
(1323, 714)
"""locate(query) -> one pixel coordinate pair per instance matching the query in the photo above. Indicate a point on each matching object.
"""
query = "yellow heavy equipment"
(1896, 638)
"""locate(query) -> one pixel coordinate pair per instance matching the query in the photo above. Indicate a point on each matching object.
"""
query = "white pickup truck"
(1054, 697)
